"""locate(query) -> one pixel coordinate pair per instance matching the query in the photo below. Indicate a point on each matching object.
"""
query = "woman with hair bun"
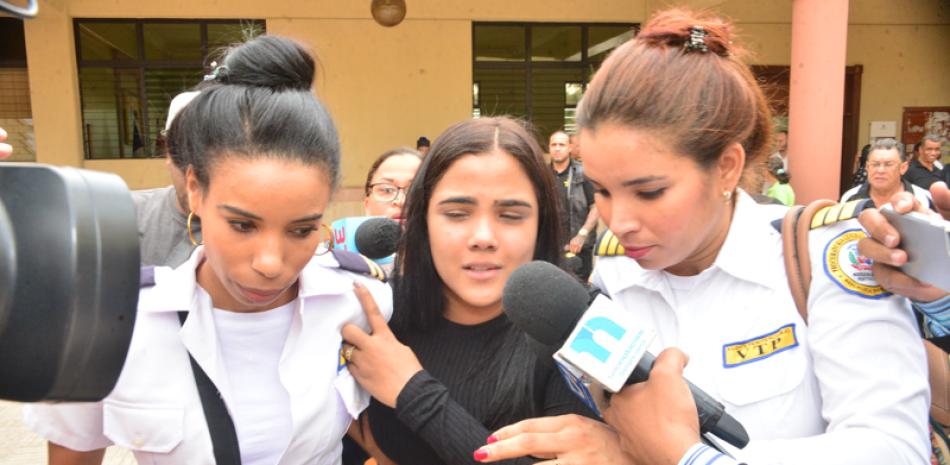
(235, 356)
(668, 126)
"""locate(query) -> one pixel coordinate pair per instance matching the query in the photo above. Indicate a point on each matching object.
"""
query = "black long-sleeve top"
(436, 419)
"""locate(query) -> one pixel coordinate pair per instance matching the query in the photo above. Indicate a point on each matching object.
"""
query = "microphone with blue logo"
(375, 237)
(601, 348)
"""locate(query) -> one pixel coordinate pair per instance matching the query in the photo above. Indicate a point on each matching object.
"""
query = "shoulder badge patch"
(608, 245)
(849, 270)
(837, 213)
(759, 347)
(341, 363)
(356, 263)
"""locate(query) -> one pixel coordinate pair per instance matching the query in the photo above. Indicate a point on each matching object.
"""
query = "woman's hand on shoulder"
(561, 440)
(378, 361)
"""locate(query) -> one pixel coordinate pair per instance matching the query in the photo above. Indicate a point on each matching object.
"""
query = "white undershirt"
(251, 345)
(682, 286)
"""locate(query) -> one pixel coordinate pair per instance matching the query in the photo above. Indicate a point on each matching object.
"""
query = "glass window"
(548, 99)
(556, 43)
(499, 43)
(129, 71)
(602, 39)
(546, 87)
(223, 35)
(502, 92)
(109, 41)
(161, 86)
(172, 41)
(573, 92)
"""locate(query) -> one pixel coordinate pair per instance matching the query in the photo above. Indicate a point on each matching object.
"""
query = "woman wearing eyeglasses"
(388, 180)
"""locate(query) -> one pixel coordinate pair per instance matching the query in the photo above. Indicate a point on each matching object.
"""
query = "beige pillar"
(54, 85)
(816, 100)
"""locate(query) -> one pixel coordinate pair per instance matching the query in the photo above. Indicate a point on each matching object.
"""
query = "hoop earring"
(329, 242)
(191, 236)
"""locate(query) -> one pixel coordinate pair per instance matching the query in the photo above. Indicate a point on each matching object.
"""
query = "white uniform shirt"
(850, 387)
(155, 410)
(922, 195)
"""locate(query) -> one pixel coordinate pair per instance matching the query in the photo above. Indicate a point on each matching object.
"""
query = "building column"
(54, 85)
(816, 100)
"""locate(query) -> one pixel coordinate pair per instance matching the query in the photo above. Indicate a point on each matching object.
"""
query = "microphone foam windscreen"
(377, 237)
(544, 301)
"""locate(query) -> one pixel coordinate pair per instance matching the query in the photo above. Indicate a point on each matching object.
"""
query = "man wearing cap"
(162, 212)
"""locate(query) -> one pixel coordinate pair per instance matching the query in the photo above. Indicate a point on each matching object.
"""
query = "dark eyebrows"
(309, 218)
(462, 200)
(630, 182)
(512, 203)
(238, 211)
(643, 180)
(498, 203)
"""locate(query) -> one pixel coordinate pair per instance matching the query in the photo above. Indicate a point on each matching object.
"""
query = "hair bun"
(694, 32)
(268, 61)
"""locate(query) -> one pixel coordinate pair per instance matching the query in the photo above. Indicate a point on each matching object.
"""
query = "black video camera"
(69, 282)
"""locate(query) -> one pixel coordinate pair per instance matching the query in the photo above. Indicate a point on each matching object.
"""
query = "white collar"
(178, 286)
(749, 252)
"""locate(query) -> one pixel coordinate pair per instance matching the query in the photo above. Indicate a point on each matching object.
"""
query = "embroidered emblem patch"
(760, 347)
(341, 364)
(849, 270)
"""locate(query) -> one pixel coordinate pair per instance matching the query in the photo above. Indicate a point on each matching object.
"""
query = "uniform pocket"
(762, 367)
(354, 398)
(143, 427)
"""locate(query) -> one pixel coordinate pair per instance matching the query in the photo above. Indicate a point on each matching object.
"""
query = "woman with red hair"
(668, 126)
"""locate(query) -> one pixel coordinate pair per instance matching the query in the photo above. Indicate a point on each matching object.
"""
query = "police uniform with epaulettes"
(155, 409)
(847, 386)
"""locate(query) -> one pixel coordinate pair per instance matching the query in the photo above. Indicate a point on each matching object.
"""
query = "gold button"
(138, 442)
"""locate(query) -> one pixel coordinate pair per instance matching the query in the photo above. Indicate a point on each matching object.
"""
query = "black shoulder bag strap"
(223, 435)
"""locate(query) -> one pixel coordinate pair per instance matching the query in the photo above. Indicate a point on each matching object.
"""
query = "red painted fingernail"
(491, 439)
(481, 454)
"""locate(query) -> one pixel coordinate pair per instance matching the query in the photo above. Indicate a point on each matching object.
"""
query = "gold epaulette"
(838, 212)
(357, 263)
(608, 245)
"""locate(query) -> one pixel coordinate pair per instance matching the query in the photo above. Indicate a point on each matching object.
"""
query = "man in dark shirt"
(924, 169)
(578, 212)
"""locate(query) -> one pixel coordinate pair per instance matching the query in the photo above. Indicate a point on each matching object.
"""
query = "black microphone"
(377, 238)
(547, 304)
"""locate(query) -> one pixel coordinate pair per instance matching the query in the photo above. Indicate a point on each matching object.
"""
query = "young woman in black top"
(454, 368)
